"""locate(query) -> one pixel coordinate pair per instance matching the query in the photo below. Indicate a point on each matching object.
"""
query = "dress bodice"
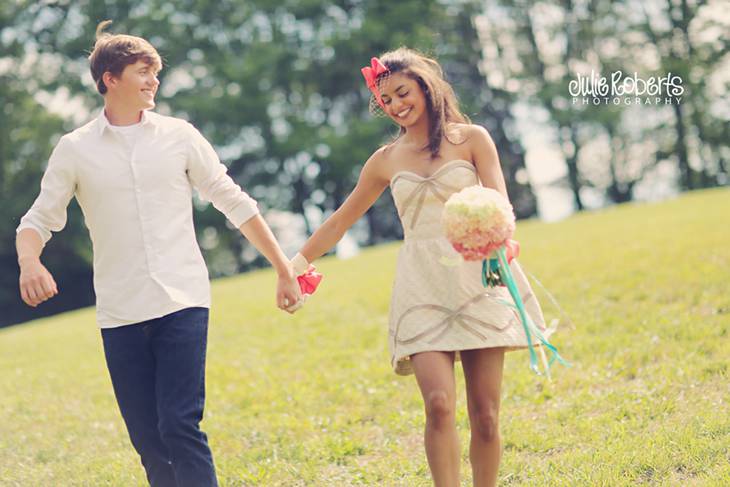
(420, 200)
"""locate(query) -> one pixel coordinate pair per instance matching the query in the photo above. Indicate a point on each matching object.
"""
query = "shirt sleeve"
(208, 175)
(48, 213)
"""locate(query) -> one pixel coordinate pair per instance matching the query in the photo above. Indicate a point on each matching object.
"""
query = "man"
(133, 172)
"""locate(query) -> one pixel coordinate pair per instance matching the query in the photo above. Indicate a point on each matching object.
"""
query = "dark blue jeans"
(157, 369)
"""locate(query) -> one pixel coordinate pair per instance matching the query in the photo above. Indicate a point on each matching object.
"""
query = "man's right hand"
(36, 283)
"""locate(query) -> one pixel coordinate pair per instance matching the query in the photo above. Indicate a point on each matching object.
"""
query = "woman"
(439, 313)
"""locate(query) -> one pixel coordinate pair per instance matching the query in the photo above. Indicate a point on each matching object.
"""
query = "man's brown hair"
(114, 52)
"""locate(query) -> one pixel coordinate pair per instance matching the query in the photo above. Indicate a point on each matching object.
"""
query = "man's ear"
(109, 79)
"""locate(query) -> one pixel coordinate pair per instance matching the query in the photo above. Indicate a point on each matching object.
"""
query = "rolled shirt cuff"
(243, 212)
(44, 233)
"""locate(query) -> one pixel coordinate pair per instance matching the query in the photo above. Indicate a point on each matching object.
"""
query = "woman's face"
(404, 100)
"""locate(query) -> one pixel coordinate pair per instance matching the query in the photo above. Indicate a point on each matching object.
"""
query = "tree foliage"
(275, 86)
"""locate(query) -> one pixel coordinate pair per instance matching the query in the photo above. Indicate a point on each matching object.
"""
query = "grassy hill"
(310, 399)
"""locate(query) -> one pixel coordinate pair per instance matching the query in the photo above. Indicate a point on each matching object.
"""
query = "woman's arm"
(486, 160)
(371, 184)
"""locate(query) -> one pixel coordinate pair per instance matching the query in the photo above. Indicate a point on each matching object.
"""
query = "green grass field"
(310, 399)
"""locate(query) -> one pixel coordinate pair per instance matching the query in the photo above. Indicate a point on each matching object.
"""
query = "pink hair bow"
(309, 281)
(371, 73)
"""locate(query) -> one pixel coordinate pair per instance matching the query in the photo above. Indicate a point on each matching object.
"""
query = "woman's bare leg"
(435, 376)
(483, 374)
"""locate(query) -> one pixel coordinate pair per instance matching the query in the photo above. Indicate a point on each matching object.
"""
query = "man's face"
(136, 86)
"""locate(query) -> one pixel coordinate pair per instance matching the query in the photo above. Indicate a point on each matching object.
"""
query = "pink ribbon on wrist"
(309, 281)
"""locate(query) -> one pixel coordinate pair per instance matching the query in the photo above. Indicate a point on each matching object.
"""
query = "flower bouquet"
(479, 222)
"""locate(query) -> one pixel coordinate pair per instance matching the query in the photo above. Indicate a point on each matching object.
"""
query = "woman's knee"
(439, 408)
(485, 421)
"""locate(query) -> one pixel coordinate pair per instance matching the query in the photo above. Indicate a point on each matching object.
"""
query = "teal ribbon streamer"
(530, 328)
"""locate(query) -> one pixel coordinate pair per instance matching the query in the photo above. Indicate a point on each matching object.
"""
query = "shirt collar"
(102, 122)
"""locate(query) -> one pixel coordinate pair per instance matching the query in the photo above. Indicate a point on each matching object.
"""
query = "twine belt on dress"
(453, 317)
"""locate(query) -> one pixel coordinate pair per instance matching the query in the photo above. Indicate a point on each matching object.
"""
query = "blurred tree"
(536, 48)
(486, 104)
(690, 39)
(276, 87)
(25, 131)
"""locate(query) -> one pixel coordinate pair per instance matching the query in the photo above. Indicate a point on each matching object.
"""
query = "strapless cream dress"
(438, 304)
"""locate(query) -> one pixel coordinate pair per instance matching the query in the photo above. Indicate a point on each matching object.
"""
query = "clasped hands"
(304, 284)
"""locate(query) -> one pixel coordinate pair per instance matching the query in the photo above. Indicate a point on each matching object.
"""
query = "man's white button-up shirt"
(137, 204)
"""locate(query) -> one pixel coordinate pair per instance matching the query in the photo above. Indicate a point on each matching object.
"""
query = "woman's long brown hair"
(442, 106)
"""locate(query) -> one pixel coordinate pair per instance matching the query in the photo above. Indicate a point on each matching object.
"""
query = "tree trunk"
(571, 161)
(300, 195)
(685, 173)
